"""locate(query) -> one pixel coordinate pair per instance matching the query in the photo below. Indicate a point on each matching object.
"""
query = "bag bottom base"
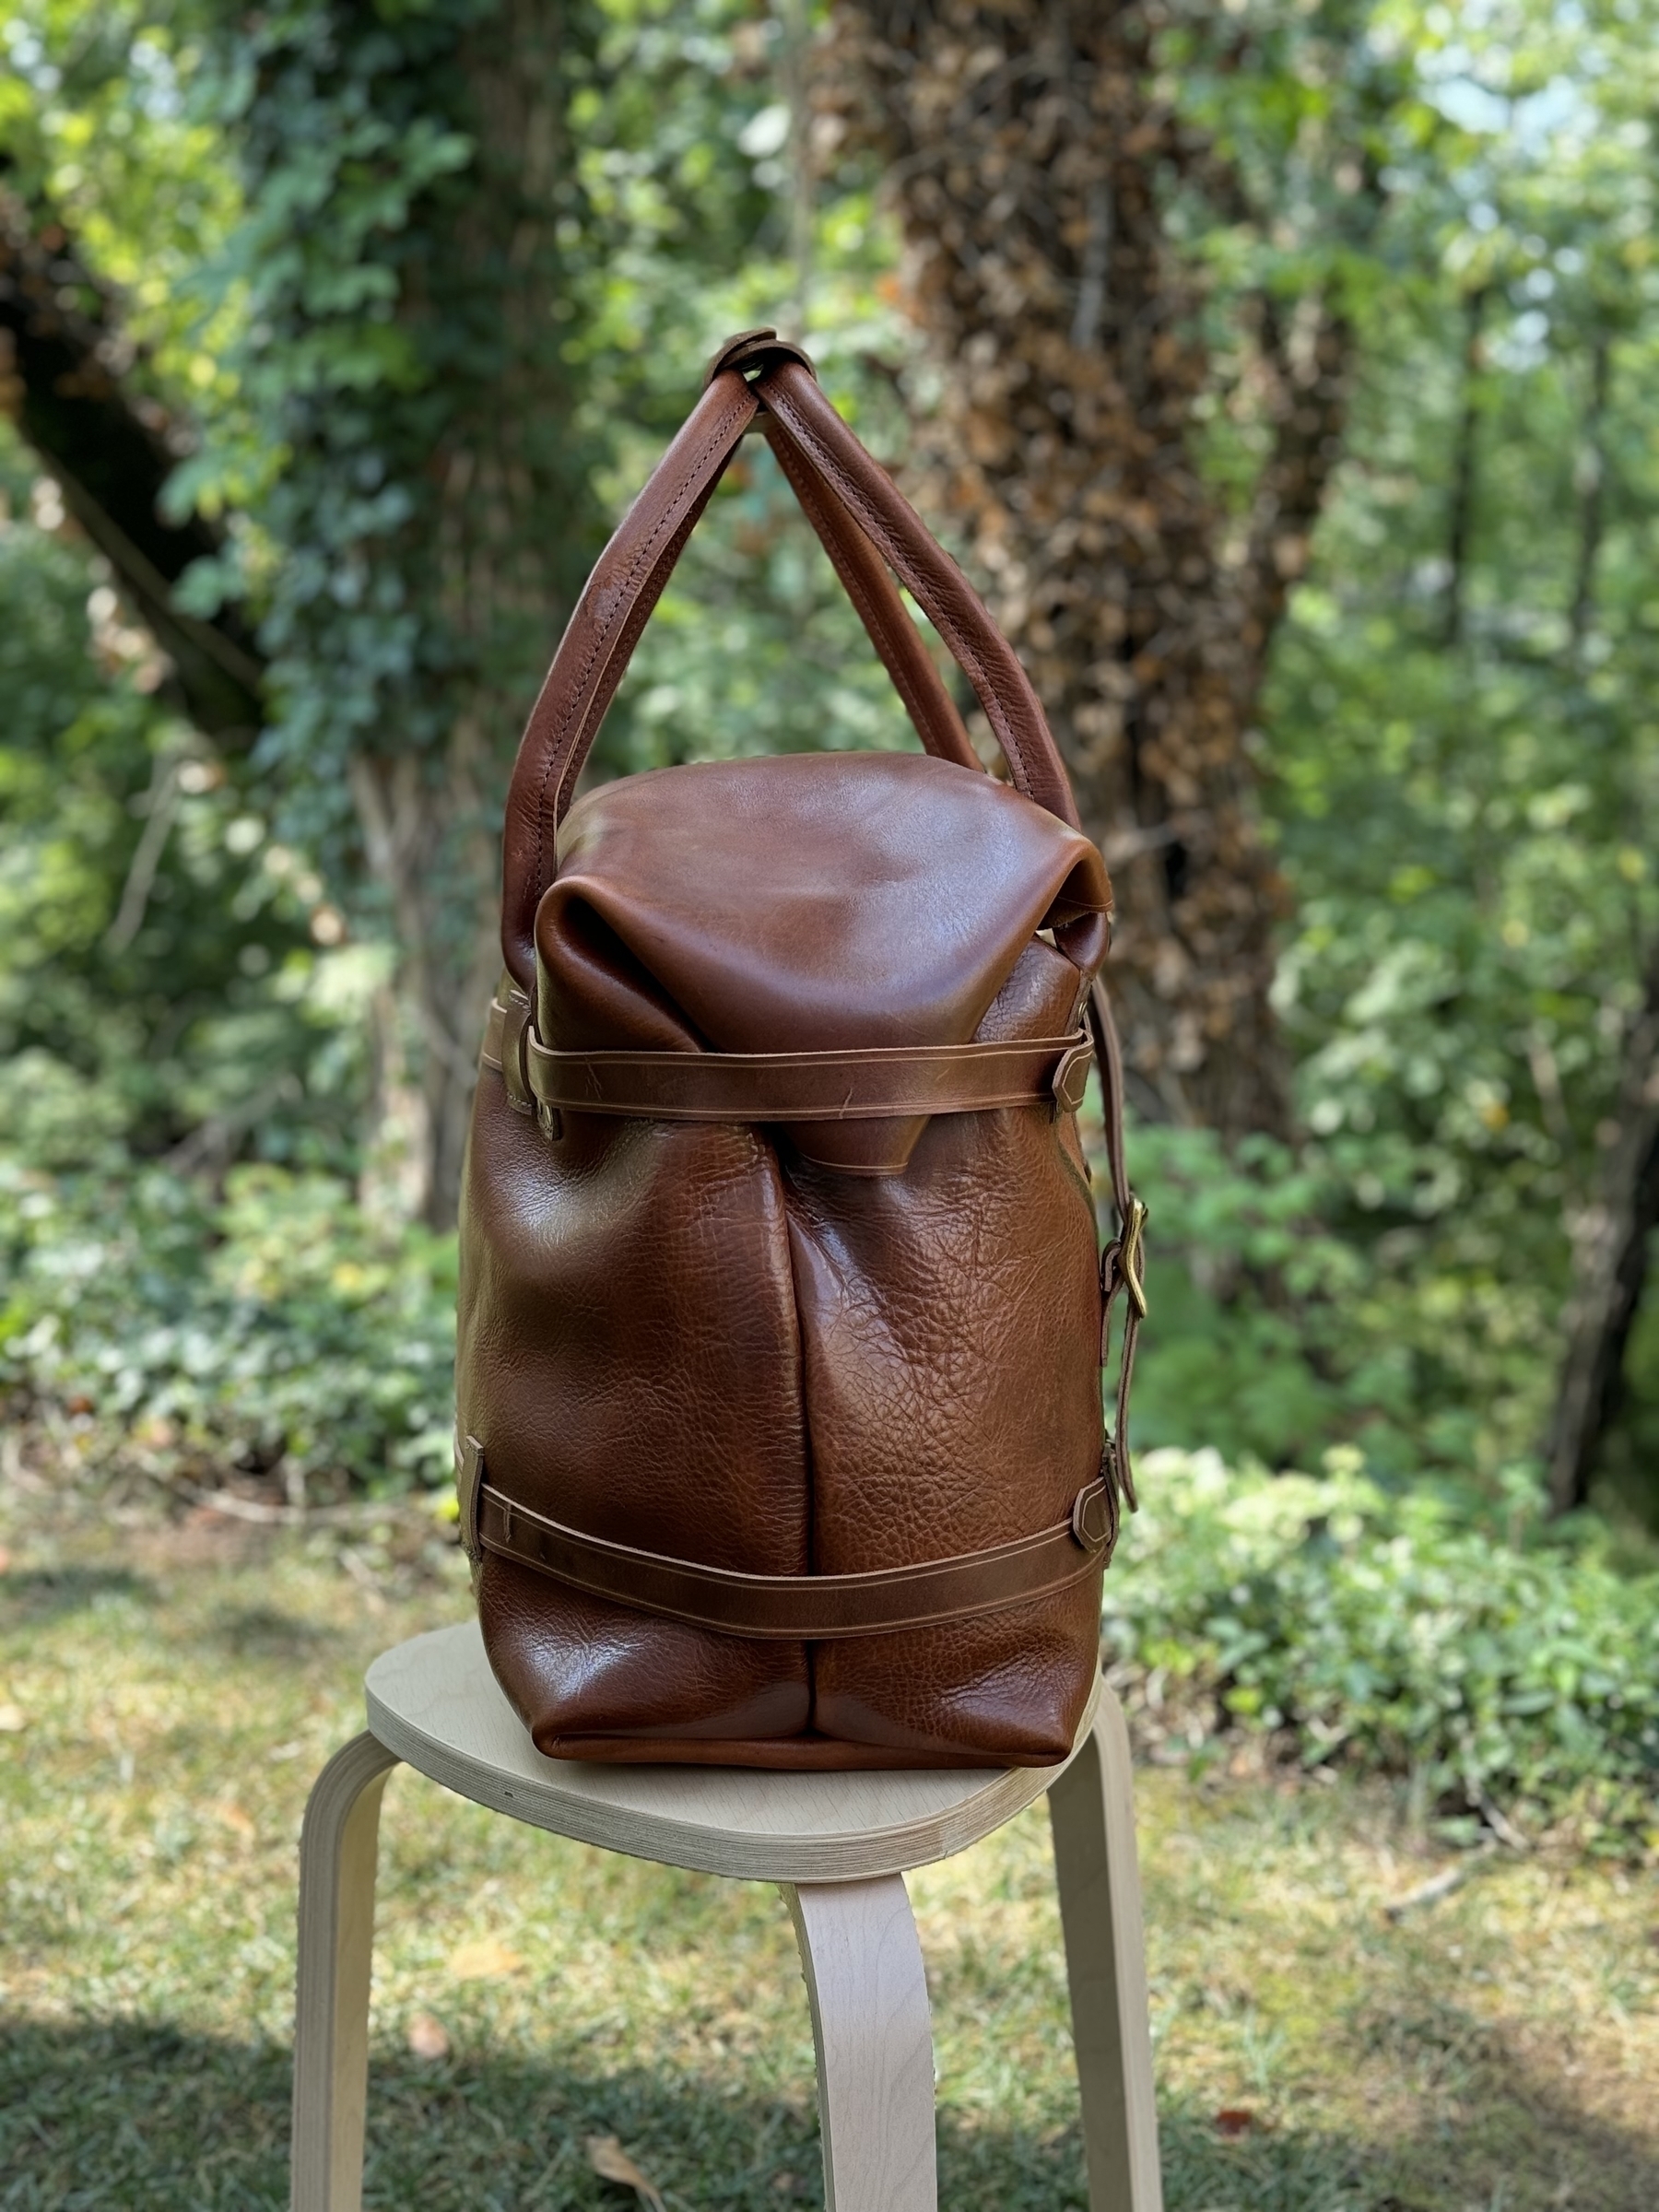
(787, 1753)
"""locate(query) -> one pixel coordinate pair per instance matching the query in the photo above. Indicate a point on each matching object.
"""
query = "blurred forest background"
(1282, 373)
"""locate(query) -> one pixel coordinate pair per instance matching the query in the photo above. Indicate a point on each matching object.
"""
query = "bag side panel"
(950, 1332)
(630, 1359)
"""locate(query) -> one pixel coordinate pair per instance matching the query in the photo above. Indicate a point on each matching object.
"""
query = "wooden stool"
(839, 1846)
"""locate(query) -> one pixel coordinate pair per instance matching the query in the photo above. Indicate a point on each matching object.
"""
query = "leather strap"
(632, 572)
(627, 582)
(869, 1084)
(956, 610)
(507, 1033)
(1122, 1262)
(752, 349)
(806, 1608)
(865, 580)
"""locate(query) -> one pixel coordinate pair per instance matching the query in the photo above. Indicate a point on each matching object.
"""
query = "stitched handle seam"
(874, 618)
(948, 629)
(644, 560)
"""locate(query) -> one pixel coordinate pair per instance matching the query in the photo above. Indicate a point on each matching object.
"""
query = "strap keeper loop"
(752, 349)
(1070, 1078)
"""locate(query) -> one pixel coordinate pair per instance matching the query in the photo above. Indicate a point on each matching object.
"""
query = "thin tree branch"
(1460, 518)
(1591, 474)
(1609, 1261)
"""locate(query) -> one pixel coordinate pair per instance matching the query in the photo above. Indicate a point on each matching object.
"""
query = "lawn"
(167, 1692)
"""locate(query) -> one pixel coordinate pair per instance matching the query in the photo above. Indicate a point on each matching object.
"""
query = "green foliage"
(1218, 1361)
(1404, 1631)
(275, 1326)
(157, 983)
(378, 342)
(98, 127)
(1459, 750)
(1283, 1320)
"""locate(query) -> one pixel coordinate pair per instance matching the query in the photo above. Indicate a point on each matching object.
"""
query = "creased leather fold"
(807, 903)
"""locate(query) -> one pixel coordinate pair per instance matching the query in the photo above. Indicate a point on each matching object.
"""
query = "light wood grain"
(434, 1702)
(837, 1843)
(337, 1850)
(874, 2040)
(1092, 1808)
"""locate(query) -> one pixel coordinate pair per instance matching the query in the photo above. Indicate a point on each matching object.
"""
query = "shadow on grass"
(262, 1631)
(28, 1595)
(141, 2118)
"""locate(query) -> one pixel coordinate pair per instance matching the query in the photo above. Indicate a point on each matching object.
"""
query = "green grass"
(178, 1688)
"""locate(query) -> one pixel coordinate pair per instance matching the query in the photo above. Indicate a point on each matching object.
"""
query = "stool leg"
(1091, 1809)
(869, 1993)
(337, 1846)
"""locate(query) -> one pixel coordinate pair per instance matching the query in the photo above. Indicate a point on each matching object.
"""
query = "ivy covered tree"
(1129, 232)
(381, 313)
(405, 256)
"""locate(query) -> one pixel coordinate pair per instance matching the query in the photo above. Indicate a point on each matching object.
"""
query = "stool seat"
(837, 1844)
(435, 1702)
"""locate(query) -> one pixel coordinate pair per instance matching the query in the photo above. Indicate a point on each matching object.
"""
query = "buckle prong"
(1132, 1258)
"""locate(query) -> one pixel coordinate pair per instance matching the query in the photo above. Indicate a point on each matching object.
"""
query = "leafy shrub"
(1511, 1671)
(1284, 1322)
(277, 1326)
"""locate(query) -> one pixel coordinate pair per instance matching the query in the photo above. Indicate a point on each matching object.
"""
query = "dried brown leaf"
(235, 1818)
(484, 1961)
(428, 2037)
(612, 2163)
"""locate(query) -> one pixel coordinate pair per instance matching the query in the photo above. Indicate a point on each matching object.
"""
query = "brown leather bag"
(782, 1322)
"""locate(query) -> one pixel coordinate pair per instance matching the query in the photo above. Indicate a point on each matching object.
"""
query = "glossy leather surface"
(824, 1348)
(799, 904)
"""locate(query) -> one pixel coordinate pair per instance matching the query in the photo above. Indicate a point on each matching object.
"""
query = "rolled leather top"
(802, 903)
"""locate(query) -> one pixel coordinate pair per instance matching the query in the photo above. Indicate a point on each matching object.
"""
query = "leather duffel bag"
(780, 1435)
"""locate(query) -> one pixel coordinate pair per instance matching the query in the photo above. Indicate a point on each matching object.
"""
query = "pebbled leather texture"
(796, 1349)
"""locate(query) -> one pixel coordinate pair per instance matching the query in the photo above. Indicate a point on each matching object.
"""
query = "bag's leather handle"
(615, 603)
(938, 586)
(855, 506)
(895, 637)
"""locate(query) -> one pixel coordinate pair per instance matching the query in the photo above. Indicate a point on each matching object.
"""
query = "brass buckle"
(1091, 1516)
(1132, 1256)
(1122, 1264)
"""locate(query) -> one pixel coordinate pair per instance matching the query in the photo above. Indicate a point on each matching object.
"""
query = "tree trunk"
(1028, 155)
(1609, 1261)
(1460, 521)
(67, 381)
(1590, 483)
(408, 681)
(514, 526)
